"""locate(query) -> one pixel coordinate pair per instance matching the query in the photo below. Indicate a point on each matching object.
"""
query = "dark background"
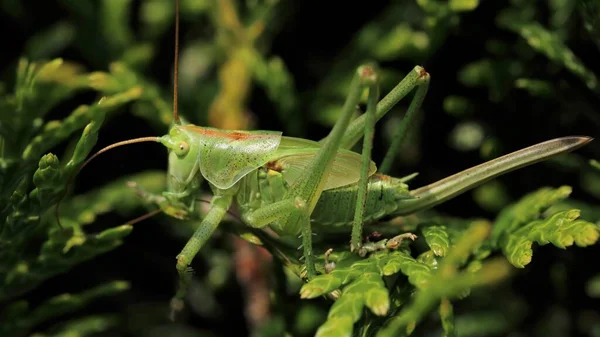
(309, 42)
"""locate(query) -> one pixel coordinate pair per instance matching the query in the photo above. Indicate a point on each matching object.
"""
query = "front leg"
(170, 206)
(267, 214)
(220, 205)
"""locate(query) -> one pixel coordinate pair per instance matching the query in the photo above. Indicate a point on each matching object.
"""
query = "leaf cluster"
(390, 292)
(33, 248)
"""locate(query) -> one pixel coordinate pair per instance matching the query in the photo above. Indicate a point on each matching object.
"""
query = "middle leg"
(419, 78)
(361, 198)
(309, 186)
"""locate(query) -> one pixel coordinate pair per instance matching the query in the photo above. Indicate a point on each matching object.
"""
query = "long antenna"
(157, 211)
(109, 147)
(143, 217)
(121, 143)
(176, 66)
(137, 140)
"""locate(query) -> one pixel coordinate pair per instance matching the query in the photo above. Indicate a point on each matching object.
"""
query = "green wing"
(226, 156)
(295, 154)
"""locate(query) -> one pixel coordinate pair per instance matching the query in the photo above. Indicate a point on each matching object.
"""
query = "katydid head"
(183, 158)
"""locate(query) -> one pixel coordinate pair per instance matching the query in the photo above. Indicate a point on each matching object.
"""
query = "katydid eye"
(182, 149)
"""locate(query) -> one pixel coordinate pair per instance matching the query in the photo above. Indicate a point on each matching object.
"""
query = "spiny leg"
(419, 78)
(280, 210)
(220, 205)
(416, 77)
(408, 121)
(310, 184)
(359, 210)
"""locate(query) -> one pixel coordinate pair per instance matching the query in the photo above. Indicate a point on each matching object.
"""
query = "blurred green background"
(505, 75)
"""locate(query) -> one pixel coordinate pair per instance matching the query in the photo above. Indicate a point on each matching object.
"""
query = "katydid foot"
(371, 247)
(329, 265)
(393, 243)
(159, 200)
(185, 278)
(220, 205)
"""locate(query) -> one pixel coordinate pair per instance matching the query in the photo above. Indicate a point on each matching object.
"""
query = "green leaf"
(535, 87)
(480, 323)
(361, 283)
(527, 209)
(592, 287)
(50, 41)
(463, 5)
(437, 238)
(590, 12)
(399, 39)
(457, 106)
(562, 229)
(498, 75)
(63, 249)
(116, 196)
(38, 88)
(18, 319)
(447, 317)
(448, 282)
(56, 131)
(86, 326)
(274, 76)
(115, 24)
(550, 44)
(491, 196)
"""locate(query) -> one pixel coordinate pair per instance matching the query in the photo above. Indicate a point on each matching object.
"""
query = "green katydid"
(297, 186)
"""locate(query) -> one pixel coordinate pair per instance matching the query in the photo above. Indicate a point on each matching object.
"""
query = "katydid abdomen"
(335, 206)
(387, 196)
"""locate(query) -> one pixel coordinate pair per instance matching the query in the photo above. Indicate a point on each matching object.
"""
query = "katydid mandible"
(293, 184)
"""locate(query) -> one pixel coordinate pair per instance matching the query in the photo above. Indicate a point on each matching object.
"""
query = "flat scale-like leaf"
(361, 281)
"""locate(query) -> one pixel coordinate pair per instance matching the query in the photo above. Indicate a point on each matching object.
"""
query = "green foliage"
(551, 45)
(454, 264)
(448, 282)
(593, 287)
(528, 209)
(24, 204)
(32, 248)
(18, 319)
(363, 286)
(403, 31)
(389, 293)
(87, 326)
(437, 238)
(518, 226)
(561, 229)
(590, 10)
(29, 193)
(385, 280)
